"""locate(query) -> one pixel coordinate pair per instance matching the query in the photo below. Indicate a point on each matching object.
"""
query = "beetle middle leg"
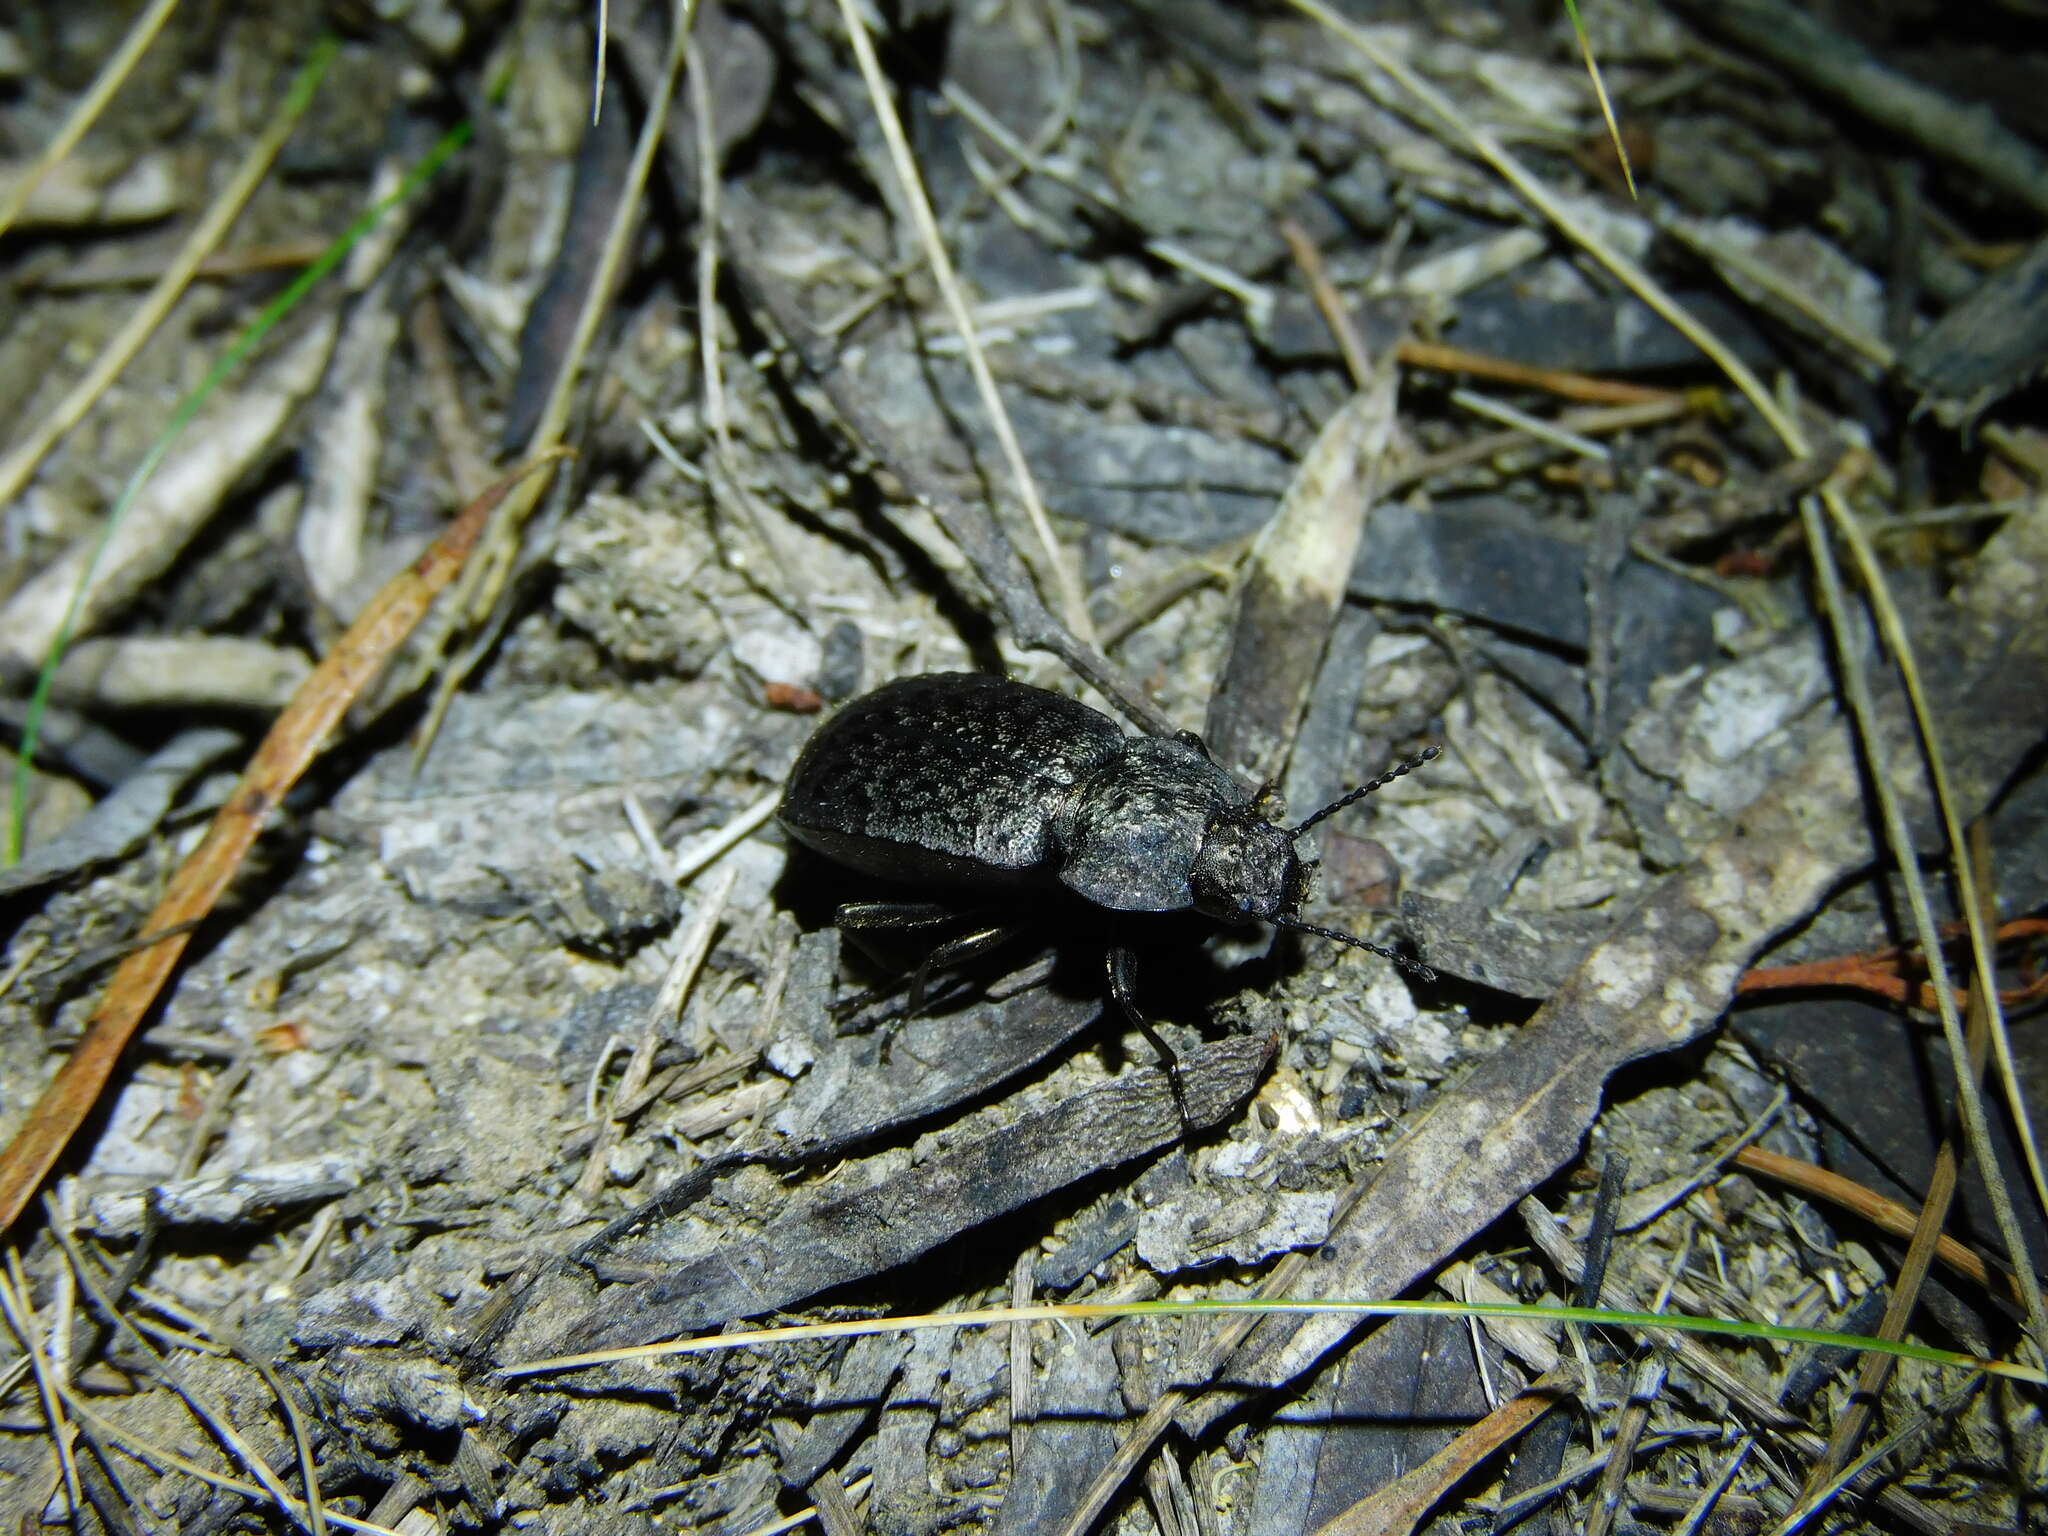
(856, 918)
(957, 952)
(1120, 988)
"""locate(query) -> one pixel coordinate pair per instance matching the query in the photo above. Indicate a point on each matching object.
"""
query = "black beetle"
(972, 781)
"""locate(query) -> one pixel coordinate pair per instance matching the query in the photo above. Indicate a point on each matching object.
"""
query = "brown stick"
(1879, 1210)
(1571, 386)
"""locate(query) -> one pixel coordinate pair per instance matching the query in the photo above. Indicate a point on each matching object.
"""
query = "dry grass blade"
(201, 1405)
(14, 1305)
(105, 86)
(687, 865)
(212, 227)
(1674, 1329)
(1073, 604)
(156, 1456)
(293, 742)
(210, 1330)
(1628, 171)
(485, 580)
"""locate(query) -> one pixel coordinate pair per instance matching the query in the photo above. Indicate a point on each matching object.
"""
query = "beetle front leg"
(1120, 988)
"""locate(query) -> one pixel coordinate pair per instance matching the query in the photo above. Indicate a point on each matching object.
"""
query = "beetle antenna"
(1414, 968)
(1393, 773)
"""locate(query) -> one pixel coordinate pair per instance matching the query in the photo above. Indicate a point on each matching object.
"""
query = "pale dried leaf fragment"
(230, 1200)
(179, 672)
(84, 193)
(343, 458)
(1294, 584)
(233, 435)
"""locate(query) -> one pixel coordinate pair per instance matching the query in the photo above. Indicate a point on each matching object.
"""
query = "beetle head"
(1248, 871)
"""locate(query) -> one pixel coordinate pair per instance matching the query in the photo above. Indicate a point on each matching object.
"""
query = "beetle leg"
(870, 915)
(955, 952)
(1120, 988)
(863, 917)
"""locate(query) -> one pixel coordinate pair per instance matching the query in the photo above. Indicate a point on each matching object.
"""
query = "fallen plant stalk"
(1877, 1209)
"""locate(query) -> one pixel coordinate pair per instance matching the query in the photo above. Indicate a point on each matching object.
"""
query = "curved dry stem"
(1066, 583)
